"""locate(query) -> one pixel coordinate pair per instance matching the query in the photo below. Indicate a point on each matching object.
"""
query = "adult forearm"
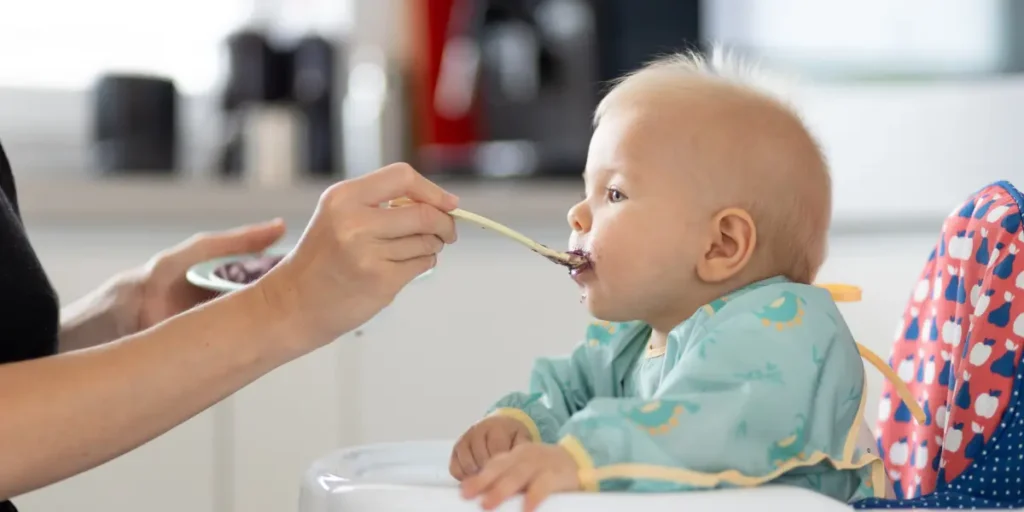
(69, 413)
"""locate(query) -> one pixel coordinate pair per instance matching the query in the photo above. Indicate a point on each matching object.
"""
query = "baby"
(716, 364)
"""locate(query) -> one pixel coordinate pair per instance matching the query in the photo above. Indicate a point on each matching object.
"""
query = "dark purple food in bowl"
(247, 271)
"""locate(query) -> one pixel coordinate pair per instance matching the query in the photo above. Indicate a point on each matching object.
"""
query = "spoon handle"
(506, 231)
(480, 220)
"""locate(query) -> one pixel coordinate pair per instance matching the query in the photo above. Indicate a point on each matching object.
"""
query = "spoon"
(567, 259)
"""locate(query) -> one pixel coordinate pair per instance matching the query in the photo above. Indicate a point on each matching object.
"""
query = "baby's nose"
(579, 218)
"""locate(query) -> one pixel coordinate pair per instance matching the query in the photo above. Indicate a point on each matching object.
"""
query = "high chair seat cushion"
(959, 349)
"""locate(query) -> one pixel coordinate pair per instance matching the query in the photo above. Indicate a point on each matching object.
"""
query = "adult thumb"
(241, 240)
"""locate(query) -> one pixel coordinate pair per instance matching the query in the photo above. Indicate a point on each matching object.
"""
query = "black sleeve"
(7, 183)
(29, 309)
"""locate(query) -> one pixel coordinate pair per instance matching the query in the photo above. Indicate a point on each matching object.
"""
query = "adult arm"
(68, 413)
(65, 414)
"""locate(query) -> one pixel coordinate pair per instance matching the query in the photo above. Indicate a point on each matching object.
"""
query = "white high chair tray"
(414, 476)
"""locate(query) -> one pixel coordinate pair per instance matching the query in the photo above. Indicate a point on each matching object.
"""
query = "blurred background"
(132, 124)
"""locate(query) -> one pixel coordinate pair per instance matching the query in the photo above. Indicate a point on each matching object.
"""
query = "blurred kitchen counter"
(154, 200)
(194, 202)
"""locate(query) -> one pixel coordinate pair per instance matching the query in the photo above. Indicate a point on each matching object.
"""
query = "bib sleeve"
(561, 387)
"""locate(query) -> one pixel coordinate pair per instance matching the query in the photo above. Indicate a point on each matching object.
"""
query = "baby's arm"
(676, 441)
(559, 388)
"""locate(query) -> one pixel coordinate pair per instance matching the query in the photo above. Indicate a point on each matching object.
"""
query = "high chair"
(959, 350)
(414, 476)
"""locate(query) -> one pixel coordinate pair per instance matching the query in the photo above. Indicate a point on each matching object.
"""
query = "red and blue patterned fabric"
(959, 350)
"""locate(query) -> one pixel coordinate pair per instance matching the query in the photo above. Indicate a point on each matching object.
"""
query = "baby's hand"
(489, 437)
(538, 470)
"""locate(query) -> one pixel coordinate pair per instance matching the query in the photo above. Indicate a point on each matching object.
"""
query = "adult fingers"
(413, 246)
(410, 269)
(414, 219)
(241, 240)
(398, 180)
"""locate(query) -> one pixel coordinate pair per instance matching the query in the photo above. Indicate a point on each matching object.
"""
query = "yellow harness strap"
(850, 293)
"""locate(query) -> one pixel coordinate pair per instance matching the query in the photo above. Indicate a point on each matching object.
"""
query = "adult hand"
(355, 256)
(144, 296)
(163, 290)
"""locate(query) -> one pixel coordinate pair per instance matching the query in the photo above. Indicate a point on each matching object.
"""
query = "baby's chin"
(607, 311)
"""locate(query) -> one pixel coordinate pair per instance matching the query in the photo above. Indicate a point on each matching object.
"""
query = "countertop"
(154, 201)
(145, 200)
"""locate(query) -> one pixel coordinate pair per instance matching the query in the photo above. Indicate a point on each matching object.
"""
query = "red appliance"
(440, 136)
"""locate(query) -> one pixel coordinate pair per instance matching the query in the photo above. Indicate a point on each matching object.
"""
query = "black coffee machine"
(543, 66)
(300, 74)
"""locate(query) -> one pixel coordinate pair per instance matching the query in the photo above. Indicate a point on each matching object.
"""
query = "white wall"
(867, 37)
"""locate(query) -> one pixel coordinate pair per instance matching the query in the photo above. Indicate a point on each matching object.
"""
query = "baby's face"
(638, 224)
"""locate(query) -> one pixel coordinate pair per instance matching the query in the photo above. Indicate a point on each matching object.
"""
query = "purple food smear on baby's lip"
(571, 265)
(587, 262)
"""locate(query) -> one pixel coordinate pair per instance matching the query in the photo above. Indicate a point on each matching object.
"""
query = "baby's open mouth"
(580, 261)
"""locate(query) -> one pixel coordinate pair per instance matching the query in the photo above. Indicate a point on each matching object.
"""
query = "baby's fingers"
(482, 481)
(498, 441)
(514, 480)
(478, 445)
(538, 491)
(455, 468)
(520, 437)
(463, 457)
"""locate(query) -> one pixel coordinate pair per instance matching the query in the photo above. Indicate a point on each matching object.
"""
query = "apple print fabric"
(959, 349)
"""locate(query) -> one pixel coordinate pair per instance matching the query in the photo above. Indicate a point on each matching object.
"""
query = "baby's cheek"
(612, 242)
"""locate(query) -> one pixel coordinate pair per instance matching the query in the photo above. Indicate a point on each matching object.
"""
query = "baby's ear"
(731, 242)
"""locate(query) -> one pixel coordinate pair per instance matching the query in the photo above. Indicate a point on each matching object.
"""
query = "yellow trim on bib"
(849, 293)
(842, 292)
(590, 477)
(520, 416)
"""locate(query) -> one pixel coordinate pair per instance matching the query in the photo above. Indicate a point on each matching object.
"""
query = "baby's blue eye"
(615, 195)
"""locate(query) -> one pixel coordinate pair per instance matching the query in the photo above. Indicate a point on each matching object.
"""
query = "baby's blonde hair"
(787, 191)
